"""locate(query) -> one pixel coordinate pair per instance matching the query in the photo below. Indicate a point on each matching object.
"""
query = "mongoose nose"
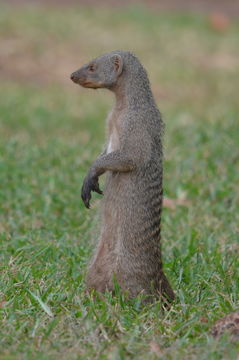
(72, 76)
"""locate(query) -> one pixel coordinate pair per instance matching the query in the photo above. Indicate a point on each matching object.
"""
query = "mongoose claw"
(86, 196)
(90, 184)
(97, 189)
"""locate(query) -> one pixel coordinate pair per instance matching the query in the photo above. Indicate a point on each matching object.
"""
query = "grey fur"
(129, 243)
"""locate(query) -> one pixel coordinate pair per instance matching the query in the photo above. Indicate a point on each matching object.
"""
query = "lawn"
(51, 131)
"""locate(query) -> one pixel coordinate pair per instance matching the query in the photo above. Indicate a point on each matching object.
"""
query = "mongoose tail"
(129, 243)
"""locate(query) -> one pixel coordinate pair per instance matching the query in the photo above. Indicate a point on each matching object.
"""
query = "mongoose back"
(129, 243)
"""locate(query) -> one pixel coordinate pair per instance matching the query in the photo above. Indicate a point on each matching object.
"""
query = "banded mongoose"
(129, 244)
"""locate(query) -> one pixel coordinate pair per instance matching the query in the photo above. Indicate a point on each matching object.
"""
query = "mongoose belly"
(130, 238)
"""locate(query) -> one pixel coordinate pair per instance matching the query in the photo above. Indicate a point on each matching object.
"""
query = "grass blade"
(44, 306)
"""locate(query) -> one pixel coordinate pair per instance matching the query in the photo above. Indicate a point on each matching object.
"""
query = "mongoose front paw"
(90, 183)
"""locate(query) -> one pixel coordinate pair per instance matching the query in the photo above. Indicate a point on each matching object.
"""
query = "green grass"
(52, 130)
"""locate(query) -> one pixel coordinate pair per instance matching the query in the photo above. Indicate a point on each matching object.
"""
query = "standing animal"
(129, 243)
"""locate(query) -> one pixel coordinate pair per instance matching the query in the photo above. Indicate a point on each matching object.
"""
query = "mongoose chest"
(114, 131)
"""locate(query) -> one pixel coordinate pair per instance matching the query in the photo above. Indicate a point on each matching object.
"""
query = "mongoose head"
(102, 72)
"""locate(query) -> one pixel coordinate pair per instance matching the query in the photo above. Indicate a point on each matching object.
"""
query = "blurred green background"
(51, 131)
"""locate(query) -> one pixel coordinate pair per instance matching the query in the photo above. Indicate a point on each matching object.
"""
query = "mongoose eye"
(91, 68)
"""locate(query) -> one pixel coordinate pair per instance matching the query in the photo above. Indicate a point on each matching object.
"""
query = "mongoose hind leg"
(165, 288)
(138, 283)
(97, 281)
(99, 276)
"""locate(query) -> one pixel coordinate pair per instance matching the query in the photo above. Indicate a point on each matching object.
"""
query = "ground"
(51, 131)
(229, 8)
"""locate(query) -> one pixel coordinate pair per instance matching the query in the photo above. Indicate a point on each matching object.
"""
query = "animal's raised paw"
(90, 183)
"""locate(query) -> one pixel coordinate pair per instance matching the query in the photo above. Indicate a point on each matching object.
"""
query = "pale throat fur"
(115, 120)
(114, 124)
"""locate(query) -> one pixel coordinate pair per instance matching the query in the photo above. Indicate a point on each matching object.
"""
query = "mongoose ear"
(118, 64)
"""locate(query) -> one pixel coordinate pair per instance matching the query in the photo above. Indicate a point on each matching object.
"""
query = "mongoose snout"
(73, 77)
(78, 78)
(129, 249)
